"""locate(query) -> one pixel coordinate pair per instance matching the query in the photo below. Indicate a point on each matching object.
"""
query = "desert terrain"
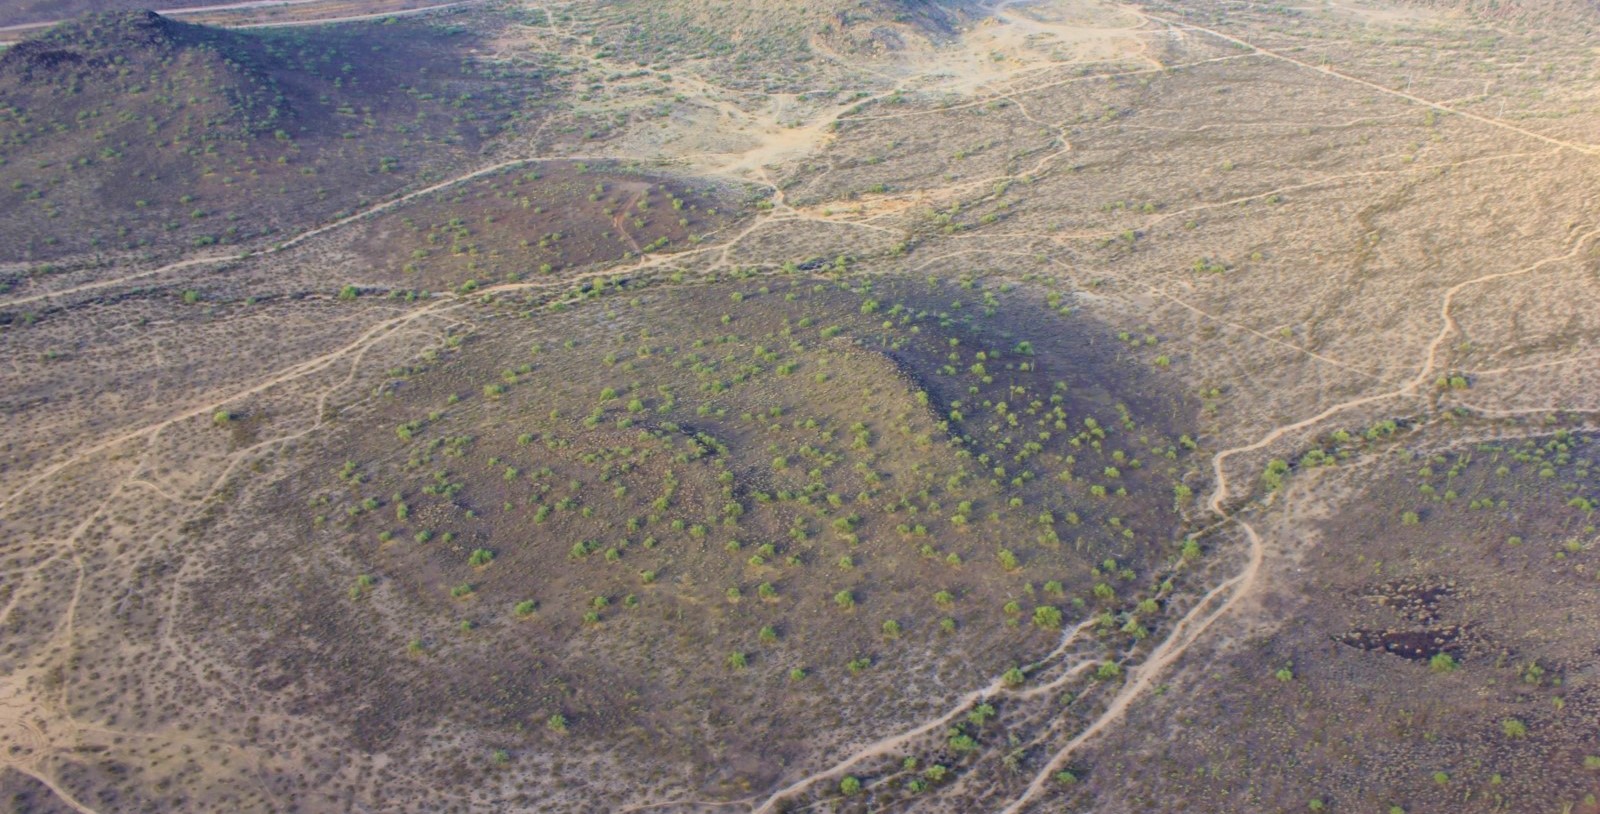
(859, 405)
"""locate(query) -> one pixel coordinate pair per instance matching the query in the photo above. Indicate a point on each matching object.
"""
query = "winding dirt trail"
(1425, 371)
(1194, 623)
(887, 746)
(352, 18)
(254, 5)
(1586, 149)
(1499, 371)
(23, 745)
(1215, 604)
(289, 374)
(1222, 598)
(61, 794)
(1183, 635)
(299, 370)
(1188, 629)
(1227, 595)
(442, 302)
(302, 236)
(99, 284)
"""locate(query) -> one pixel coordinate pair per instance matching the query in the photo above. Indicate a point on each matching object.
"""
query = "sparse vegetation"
(568, 406)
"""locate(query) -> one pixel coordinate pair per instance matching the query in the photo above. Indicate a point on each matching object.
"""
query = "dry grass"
(1310, 253)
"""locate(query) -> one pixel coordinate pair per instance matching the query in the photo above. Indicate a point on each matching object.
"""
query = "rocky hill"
(127, 129)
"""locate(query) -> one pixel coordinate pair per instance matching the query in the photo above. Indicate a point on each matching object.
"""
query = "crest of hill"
(752, 20)
(96, 36)
(25, 12)
(99, 57)
(129, 130)
(893, 25)
(755, 42)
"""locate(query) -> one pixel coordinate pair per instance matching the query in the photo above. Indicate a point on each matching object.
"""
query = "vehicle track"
(887, 746)
(301, 237)
(1184, 634)
(1586, 149)
(1187, 630)
(353, 18)
(23, 28)
(1224, 596)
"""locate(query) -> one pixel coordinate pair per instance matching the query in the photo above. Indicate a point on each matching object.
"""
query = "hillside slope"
(27, 12)
(777, 45)
(126, 129)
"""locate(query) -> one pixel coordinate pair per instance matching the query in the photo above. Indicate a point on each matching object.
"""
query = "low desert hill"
(124, 130)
